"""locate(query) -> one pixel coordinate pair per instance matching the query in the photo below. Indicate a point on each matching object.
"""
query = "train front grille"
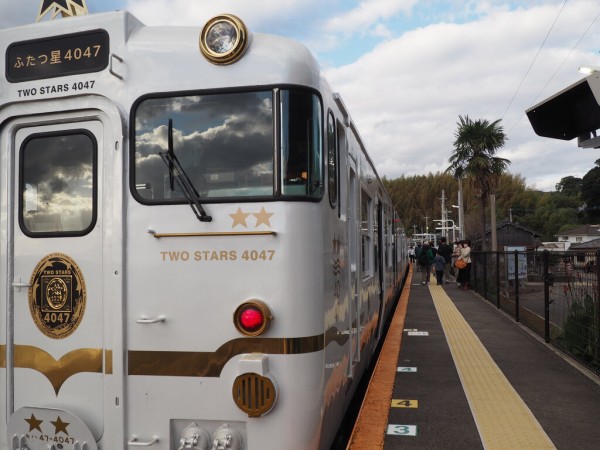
(254, 394)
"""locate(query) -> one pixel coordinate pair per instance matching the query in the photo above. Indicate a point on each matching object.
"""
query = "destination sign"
(69, 54)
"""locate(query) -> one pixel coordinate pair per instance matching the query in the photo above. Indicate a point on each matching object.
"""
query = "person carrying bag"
(464, 273)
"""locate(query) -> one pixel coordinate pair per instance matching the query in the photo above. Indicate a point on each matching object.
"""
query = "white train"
(196, 250)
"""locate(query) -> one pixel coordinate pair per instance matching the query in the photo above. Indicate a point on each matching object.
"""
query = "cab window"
(58, 184)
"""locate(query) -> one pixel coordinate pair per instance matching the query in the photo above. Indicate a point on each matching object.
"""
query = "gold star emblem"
(34, 424)
(59, 426)
(66, 8)
(239, 218)
(262, 217)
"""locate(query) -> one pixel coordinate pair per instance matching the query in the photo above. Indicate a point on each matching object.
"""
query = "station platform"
(457, 373)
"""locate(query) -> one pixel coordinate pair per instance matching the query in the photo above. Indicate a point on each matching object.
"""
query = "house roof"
(507, 223)
(583, 230)
(594, 244)
(556, 245)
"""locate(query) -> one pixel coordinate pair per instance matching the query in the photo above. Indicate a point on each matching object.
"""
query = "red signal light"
(252, 318)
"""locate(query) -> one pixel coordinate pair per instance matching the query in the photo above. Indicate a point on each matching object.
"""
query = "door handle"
(147, 320)
(133, 442)
(18, 284)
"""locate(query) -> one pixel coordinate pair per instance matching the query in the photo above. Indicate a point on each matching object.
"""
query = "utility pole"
(444, 217)
(461, 218)
(493, 223)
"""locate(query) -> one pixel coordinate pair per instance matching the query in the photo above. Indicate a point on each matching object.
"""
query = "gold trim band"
(56, 371)
(210, 364)
(162, 363)
(221, 233)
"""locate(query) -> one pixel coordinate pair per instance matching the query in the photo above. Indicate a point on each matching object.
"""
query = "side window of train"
(332, 160)
(301, 144)
(58, 184)
(365, 231)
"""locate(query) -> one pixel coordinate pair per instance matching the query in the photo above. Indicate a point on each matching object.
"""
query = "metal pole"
(493, 224)
(546, 260)
(517, 285)
(485, 275)
(498, 280)
(597, 297)
(461, 219)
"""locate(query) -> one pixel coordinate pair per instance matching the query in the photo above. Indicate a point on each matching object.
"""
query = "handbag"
(460, 263)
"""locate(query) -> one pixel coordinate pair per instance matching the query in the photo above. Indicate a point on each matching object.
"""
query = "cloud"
(412, 67)
(367, 13)
(406, 95)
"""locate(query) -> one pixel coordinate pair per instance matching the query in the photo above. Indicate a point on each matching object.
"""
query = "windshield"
(225, 144)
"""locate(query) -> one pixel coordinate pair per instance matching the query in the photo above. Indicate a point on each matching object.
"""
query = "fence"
(555, 294)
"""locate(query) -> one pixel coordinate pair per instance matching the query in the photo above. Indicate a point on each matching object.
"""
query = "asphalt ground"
(432, 409)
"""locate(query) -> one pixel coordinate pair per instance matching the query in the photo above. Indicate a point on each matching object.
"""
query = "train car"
(196, 249)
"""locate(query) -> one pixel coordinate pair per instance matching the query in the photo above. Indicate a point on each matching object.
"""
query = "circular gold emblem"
(57, 296)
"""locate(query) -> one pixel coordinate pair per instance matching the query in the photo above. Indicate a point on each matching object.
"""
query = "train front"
(227, 235)
(170, 240)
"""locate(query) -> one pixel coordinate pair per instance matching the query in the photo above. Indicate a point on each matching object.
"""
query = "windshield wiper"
(183, 181)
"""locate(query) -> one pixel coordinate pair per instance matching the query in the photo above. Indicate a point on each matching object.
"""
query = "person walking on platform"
(439, 264)
(424, 259)
(411, 254)
(464, 274)
(417, 255)
(446, 251)
(455, 255)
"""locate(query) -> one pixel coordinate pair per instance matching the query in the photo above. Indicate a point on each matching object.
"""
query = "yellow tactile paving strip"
(504, 421)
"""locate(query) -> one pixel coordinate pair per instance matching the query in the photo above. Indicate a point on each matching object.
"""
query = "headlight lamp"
(224, 39)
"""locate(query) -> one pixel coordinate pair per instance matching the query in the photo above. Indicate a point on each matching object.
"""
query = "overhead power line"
(534, 59)
(558, 69)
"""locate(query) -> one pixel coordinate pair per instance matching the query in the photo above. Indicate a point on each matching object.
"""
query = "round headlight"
(223, 39)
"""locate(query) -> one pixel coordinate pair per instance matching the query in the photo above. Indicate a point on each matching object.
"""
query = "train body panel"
(195, 252)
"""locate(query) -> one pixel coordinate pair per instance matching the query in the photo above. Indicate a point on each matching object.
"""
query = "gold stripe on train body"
(58, 371)
(213, 234)
(210, 364)
(162, 363)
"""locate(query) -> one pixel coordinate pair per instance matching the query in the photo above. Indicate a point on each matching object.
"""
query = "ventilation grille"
(254, 394)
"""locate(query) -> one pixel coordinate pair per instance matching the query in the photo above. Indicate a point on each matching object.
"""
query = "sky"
(407, 69)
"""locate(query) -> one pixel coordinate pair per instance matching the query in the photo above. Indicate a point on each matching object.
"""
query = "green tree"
(569, 185)
(475, 147)
(590, 192)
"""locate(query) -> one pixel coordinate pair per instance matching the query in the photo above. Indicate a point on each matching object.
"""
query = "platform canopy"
(572, 113)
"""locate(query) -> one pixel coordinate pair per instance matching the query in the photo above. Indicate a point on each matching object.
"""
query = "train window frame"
(22, 185)
(312, 181)
(332, 160)
(277, 193)
(366, 232)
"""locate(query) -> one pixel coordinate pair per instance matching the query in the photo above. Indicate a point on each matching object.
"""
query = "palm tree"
(474, 157)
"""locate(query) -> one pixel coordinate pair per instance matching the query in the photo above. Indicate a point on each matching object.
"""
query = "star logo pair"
(63, 7)
(262, 218)
(59, 425)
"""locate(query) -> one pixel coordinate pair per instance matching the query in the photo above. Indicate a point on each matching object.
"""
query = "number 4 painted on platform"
(405, 403)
